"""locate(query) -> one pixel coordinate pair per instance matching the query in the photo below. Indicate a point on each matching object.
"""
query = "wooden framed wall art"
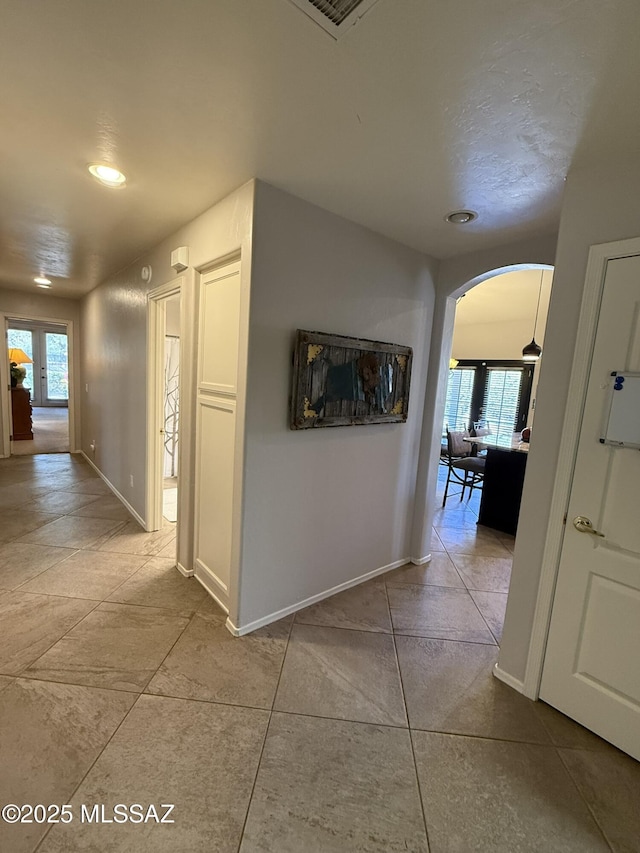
(340, 381)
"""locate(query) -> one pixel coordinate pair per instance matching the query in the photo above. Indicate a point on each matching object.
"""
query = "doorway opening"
(171, 409)
(39, 386)
(165, 359)
(491, 389)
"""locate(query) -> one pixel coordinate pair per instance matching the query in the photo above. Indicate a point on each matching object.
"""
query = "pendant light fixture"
(533, 351)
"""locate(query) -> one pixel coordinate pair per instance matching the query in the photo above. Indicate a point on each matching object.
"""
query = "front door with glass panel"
(48, 375)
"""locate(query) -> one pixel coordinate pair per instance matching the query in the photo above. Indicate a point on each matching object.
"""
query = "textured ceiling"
(423, 107)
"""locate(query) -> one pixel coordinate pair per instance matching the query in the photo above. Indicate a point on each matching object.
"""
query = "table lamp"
(18, 357)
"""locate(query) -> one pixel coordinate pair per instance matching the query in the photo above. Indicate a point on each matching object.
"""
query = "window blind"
(457, 412)
(501, 399)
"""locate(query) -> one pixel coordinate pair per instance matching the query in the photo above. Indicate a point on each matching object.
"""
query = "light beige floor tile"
(50, 735)
(437, 612)
(499, 797)
(507, 540)
(169, 551)
(210, 607)
(118, 646)
(16, 524)
(59, 502)
(30, 624)
(20, 562)
(106, 506)
(439, 571)
(436, 544)
(610, 783)
(12, 476)
(86, 574)
(63, 480)
(209, 663)
(457, 519)
(493, 606)
(564, 731)
(491, 574)
(348, 675)
(72, 531)
(19, 494)
(330, 787)
(199, 756)
(473, 542)
(364, 608)
(160, 584)
(450, 687)
(92, 486)
(132, 539)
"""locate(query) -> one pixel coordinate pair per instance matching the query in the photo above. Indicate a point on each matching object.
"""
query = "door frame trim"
(5, 316)
(598, 259)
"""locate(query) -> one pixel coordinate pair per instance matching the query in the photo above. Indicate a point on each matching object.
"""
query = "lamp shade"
(532, 351)
(19, 356)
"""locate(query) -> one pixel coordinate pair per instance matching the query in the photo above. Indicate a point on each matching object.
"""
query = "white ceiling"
(507, 299)
(423, 107)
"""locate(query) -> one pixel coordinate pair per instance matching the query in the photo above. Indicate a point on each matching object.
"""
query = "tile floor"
(369, 722)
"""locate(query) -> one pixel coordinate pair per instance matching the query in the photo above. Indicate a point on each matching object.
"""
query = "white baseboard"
(202, 583)
(420, 561)
(314, 599)
(120, 497)
(510, 680)
(188, 573)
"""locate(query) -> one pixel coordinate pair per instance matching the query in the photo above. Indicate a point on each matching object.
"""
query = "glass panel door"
(55, 369)
(48, 377)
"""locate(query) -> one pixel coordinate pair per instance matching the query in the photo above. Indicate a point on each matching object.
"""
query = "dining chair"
(464, 468)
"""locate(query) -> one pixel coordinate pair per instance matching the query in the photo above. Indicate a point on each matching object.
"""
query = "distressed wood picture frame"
(341, 381)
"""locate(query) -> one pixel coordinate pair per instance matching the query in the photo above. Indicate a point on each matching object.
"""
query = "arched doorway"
(526, 281)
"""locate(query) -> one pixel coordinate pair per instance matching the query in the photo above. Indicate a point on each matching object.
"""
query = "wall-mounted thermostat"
(180, 258)
(622, 411)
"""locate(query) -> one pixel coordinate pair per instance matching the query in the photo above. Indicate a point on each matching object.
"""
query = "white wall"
(325, 506)
(43, 306)
(496, 318)
(600, 206)
(114, 318)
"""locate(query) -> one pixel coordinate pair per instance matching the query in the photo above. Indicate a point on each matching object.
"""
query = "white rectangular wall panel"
(216, 426)
(220, 325)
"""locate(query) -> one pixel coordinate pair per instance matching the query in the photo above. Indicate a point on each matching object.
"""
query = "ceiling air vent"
(335, 16)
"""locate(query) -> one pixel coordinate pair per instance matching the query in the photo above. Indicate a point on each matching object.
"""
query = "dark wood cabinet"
(21, 414)
(502, 489)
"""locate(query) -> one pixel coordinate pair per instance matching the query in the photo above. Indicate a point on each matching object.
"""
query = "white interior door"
(217, 392)
(591, 670)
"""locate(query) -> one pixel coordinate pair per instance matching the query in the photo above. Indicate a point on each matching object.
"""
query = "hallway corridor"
(369, 722)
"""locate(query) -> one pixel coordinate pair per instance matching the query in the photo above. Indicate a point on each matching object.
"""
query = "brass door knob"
(584, 525)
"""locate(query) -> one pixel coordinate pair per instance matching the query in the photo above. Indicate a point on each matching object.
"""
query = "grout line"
(406, 711)
(344, 628)
(584, 800)
(264, 741)
(90, 768)
(310, 716)
(420, 797)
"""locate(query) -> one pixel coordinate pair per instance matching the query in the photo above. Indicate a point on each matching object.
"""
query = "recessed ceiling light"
(45, 286)
(461, 217)
(42, 281)
(107, 175)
